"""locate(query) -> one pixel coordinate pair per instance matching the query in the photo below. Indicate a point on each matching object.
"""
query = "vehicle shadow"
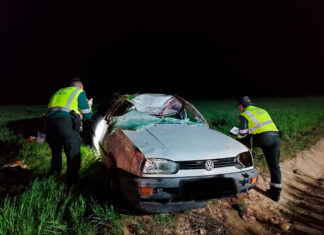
(94, 183)
(94, 186)
(27, 127)
(14, 180)
(9, 151)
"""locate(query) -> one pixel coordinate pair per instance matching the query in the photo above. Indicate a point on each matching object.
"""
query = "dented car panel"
(165, 162)
(126, 156)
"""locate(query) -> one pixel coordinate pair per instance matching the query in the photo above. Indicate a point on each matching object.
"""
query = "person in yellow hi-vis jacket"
(66, 108)
(256, 129)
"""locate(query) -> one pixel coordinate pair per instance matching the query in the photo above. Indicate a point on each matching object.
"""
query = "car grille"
(200, 164)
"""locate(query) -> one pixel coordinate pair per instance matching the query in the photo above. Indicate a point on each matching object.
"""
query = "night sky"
(260, 48)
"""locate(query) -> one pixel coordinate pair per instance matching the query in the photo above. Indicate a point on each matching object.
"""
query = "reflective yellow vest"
(65, 99)
(259, 120)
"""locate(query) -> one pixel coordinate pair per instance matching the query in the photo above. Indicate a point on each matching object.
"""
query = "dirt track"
(299, 211)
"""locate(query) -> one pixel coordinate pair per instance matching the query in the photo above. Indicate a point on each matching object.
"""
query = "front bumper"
(183, 193)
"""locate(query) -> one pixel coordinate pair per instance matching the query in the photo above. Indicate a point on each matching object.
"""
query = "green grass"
(165, 219)
(300, 119)
(48, 208)
(40, 210)
(105, 218)
(45, 206)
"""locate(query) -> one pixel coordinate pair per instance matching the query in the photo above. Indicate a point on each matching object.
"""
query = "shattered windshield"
(133, 112)
(135, 120)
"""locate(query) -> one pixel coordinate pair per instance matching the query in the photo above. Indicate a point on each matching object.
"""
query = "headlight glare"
(159, 166)
(98, 132)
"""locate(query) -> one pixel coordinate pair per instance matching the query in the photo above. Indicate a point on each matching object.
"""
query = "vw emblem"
(209, 165)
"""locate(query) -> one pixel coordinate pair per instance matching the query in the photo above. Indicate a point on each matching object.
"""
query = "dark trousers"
(60, 134)
(269, 142)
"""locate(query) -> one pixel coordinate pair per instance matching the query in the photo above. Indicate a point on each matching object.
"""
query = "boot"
(274, 194)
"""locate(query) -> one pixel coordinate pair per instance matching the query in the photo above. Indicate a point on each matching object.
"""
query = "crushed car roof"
(157, 104)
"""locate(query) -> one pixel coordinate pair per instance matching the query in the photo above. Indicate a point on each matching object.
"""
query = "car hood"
(181, 142)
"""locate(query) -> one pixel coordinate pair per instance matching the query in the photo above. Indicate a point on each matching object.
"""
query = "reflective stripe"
(259, 120)
(65, 99)
(68, 103)
(257, 124)
(85, 111)
(252, 117)
(260, 125)
(244, 131)
(58, 109)
(275, 185)
(241, 135)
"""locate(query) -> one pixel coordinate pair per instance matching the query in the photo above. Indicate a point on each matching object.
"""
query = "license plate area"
(202, 189)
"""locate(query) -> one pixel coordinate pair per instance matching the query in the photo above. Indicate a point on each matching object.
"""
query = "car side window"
(118, 109)
(190, 116)
(122, 108)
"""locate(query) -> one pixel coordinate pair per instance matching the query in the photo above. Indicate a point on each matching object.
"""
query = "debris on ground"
(297, 172)
(284, 226)
(31, 138)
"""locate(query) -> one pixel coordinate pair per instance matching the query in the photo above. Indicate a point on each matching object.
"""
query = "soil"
(300, 209)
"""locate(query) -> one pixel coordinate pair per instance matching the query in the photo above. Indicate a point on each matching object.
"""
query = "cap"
(244, 101)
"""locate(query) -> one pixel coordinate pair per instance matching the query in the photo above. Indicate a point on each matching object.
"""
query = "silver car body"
(180, 141)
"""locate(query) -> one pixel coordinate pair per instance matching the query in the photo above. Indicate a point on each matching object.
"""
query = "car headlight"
(159, 166)
(243, 160)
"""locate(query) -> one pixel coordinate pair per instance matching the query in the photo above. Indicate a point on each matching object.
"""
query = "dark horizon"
(258, 48)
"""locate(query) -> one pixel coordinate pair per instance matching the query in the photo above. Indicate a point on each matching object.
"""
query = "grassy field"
(299, 119)
(38, 204)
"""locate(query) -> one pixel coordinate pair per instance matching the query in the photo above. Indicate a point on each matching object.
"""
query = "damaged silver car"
(162, 156)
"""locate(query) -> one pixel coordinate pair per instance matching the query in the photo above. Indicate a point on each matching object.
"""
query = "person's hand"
(90, 102)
